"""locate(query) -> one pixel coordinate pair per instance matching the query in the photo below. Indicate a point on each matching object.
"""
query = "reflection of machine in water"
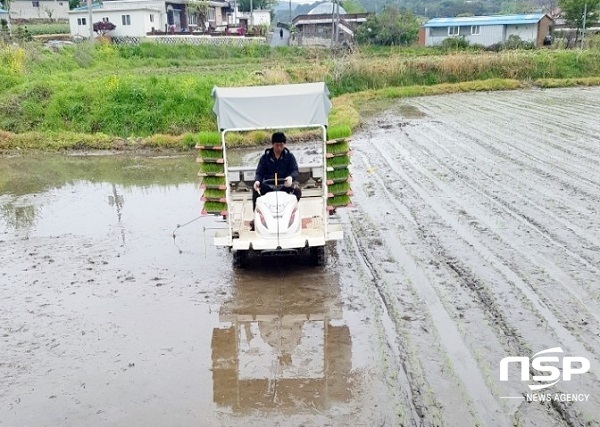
(282, 343)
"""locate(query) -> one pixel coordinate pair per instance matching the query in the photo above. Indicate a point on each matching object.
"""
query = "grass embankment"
(111, 97)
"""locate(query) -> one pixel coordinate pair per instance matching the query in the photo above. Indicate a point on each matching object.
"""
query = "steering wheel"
(271, 184)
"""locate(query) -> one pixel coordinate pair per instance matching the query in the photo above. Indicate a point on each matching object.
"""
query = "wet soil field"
(474, 236)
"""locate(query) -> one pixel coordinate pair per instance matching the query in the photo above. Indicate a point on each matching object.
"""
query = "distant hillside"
(428, 8)
(282, 10)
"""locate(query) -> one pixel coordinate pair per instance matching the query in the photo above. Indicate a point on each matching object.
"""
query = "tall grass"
(364, 73)
(146, 90)
(41, 29)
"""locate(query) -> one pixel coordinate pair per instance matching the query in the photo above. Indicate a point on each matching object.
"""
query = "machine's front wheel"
(240, 258)
(318, 256)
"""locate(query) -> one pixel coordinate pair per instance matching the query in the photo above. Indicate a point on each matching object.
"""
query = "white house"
(136, 18)
(247, 19)
(133, 19)
(487, 30)
(38, 9)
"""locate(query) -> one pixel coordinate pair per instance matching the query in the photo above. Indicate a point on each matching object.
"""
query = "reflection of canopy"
(282, 344)
(272, 107)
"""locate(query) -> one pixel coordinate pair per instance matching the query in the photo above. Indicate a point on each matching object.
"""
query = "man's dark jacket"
(268, 165)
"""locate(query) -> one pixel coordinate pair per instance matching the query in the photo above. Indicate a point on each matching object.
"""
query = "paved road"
(280, 41)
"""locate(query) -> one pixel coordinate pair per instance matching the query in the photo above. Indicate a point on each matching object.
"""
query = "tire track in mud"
(583, 232)
(409, 175)
(478, 160)
(558, 275)
(515, 147)
(548, 120)
(585, 253)
(538, 111)
(469, 384)
(484, 298)
(411, 408)
(576, 142)
(503, 143)
(495, 181)
(566, 414)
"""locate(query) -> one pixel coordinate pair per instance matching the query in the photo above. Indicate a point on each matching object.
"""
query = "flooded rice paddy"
(474, 236)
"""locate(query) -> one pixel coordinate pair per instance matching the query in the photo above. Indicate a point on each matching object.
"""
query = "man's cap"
(278, 137)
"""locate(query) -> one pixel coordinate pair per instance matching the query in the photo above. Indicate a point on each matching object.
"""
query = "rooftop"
(326, 7)
(530, 18)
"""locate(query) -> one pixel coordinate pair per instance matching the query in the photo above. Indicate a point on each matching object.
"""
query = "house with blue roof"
(488, 30)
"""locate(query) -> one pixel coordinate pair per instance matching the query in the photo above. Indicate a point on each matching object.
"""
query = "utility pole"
(235, 13)
(337, 23)
(332, 23)
(90, 18)
(290, 14)
(251, 14)
(583, 29)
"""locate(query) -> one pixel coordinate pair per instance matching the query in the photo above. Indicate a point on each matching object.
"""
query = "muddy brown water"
(474, 236)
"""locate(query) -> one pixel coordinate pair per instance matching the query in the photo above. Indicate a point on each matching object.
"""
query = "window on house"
(453, 31)
(105, 19)
(211, 14)
(126, 19)
(151, 17)
(81, 21)
(192, 20)
(35, 3)
(475, 30)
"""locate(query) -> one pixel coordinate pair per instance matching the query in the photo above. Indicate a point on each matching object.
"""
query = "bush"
(455, 43)
(513, 43)
(103, 27)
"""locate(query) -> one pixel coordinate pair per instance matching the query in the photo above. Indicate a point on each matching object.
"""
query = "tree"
(352, 6)
(199, 9)
(103, 27)
(49, 12)
(391, 27)
(573, 12)
(4, 34)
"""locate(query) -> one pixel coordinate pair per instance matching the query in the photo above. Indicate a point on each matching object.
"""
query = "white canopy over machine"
(272, 107)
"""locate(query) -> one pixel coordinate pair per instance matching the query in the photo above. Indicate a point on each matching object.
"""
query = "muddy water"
(107, 319)
(474, 236)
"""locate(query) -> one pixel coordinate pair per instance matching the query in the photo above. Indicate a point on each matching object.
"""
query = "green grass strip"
(213, 181)
(338, 201)
(339, 188)
(210, 154)
(214, 194)
(338, 174)
(338, 147)
(209, 138)
(212, 168)
(215, 207)
(338, 162)
(338, 131)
